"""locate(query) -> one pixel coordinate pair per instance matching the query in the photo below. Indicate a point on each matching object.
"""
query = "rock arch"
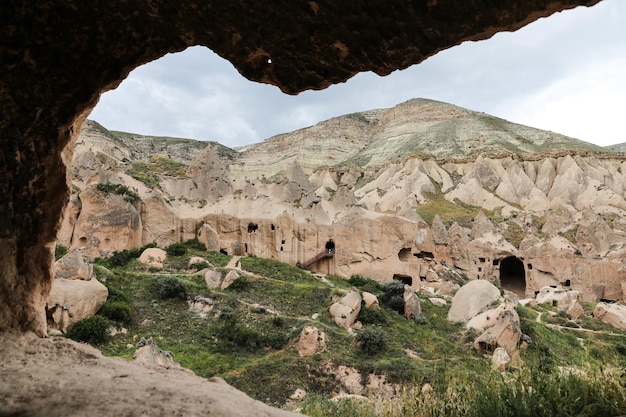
(50, 79)
(513, 275)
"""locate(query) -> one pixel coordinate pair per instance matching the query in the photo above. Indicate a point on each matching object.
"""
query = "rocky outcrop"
(73, 266)
(70, 301)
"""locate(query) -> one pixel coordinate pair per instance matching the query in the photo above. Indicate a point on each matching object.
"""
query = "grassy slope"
(248, 338)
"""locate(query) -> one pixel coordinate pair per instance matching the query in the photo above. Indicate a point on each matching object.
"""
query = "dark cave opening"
(405, 279)
(513, 275)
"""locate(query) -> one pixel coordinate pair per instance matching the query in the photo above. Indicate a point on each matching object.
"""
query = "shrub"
(176, 249)
(93, 330)
(362, 282)
(393, 296)
(118, 311)
(239, 284)
(199, 266)
(372, 316)
(621, 348)
(371, 340)
(276, 340)
(421, 320)
(171, 288)
(195, 244)
(227, 313)
(59, 251)
(120, 189)
(278, 321)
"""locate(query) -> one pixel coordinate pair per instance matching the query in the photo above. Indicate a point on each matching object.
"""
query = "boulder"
(613, 314)
(471, 299)
(200, 305)
(311, 341)
(153, 257)
(196, 260)
(557, 297)
(575, 309)
(505, 333)
(370, 300)
(213, 278)
(412, 306)
(72, 300)
(148, 353)
(500, 360)
(230, 277)
(486, 319)
(73, 266)
(438, 302)
(345, 311)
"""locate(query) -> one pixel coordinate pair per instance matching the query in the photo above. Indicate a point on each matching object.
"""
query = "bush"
(195, 244)
(371, 340)
(393, 296)
(59, 251)
(239, 284)
(199, 266)
(372, 316)
(93, 330)
(171, 288)
(227, 313)
(118, 311)
(362, 282)
(276, 340)
(176, 249)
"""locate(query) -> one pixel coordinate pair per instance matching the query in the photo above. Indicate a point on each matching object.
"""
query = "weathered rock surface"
(613, 314)
(149, 354)
(471, 299)
(505, 333)
(153, 257)
(94, 384)
(311, 341)
(345, 311)
(412, 306)
(73, 266)
(72, 300)
(558, 297)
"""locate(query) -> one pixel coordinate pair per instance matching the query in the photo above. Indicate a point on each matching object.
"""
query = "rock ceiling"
(58, 56)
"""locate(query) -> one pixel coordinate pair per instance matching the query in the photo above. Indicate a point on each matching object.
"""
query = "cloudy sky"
(566, 73)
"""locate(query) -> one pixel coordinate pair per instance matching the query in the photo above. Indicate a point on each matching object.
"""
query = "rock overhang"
(59, 56)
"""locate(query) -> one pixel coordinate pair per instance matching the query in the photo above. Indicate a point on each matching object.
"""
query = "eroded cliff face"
(57, 57)
(527, 219)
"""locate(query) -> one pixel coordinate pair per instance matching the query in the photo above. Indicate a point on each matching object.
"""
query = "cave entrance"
(405, 279)
(513, 275)
(330, 247)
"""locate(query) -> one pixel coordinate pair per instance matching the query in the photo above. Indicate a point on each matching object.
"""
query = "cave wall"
(58, 56)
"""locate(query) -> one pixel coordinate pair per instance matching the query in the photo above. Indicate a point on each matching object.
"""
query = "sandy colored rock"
(412, 306)
(558, 297)
(149, 354)
(94, 384)
(196, 260)
(230, 277)
(345, 311)
(213, 278)
(500, 359)
(575, 309)
(438, 302)
(73, 266)
(371, 301)
(153, 257)
(505, 333)
(311, 341)
(72, 300)
(471, 299)
(613, 314)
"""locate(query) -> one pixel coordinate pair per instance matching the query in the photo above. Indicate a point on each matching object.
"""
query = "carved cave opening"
(405, 279)
(405, 254)
(330, 247)
(513, 275)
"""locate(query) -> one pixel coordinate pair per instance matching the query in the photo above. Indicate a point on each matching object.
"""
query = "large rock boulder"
(471, 299)
(345, 311)
(613, 314)
(73, 266)
(72, 300)
(153, 257)
(148, 353)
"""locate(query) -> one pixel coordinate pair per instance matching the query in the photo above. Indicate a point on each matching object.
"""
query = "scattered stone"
(575, 309)
(311, 341)
(427, 389)
(148, 353)
(298, 395)
(196, 260)
(438, 302)
(200, 305)
(506, 333)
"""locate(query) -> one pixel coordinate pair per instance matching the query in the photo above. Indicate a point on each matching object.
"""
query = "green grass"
(249, 337)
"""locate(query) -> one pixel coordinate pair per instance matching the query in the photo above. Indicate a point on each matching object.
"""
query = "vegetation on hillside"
(248, 337)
